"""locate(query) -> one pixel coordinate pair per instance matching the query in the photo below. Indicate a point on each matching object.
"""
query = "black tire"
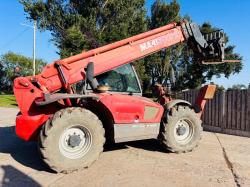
(171, 136)
(82, 129)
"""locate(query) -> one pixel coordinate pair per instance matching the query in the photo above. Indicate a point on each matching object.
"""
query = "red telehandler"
(78, 103)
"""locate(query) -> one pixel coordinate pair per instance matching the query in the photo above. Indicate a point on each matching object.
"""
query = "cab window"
(121, 79)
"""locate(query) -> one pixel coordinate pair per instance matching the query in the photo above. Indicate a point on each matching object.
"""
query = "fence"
(228, 112)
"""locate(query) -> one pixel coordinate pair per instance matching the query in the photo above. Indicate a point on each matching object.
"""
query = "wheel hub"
(74, 140)
(181, 130)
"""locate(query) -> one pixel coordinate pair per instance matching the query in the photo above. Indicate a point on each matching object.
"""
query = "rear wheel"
(71, 140)
(182, 130)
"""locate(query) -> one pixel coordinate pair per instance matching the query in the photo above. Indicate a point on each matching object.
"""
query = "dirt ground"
(220, 160)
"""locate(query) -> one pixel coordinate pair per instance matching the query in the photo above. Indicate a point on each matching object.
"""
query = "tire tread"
(48, 128)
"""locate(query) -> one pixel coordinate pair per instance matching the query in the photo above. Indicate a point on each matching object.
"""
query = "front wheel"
(71, 140)
(182, 130)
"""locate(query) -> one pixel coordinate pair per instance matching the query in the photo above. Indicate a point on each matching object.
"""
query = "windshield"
(121, 79)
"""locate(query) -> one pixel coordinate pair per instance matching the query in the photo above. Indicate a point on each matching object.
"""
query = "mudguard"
(175, 102)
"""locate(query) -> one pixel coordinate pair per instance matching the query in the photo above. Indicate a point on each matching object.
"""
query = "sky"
(231, 15)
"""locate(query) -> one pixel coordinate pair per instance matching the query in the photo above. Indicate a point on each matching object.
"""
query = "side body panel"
(127, 109)
(132, 132)
(135, 117)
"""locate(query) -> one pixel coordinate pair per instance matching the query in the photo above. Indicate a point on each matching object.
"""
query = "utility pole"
(34, 49)
(34, 45)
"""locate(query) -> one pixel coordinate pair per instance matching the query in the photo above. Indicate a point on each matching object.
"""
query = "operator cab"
(120, 80)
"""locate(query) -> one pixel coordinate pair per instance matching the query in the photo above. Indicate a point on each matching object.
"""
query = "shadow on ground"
(149, 145)
(26, 153)
(14, 177)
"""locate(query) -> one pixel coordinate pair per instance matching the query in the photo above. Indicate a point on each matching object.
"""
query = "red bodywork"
(127, 109)
(123, 108)
(206, 93)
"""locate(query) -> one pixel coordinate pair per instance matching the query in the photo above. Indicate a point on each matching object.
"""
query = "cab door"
(123, 80)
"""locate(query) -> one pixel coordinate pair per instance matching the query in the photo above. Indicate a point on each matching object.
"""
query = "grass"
(7, 101)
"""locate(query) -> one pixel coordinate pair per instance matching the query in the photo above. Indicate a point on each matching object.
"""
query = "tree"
(78, 25)
(12, 65)
(3, 85)
(158, 65)
(238, 87)
(220, 88)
